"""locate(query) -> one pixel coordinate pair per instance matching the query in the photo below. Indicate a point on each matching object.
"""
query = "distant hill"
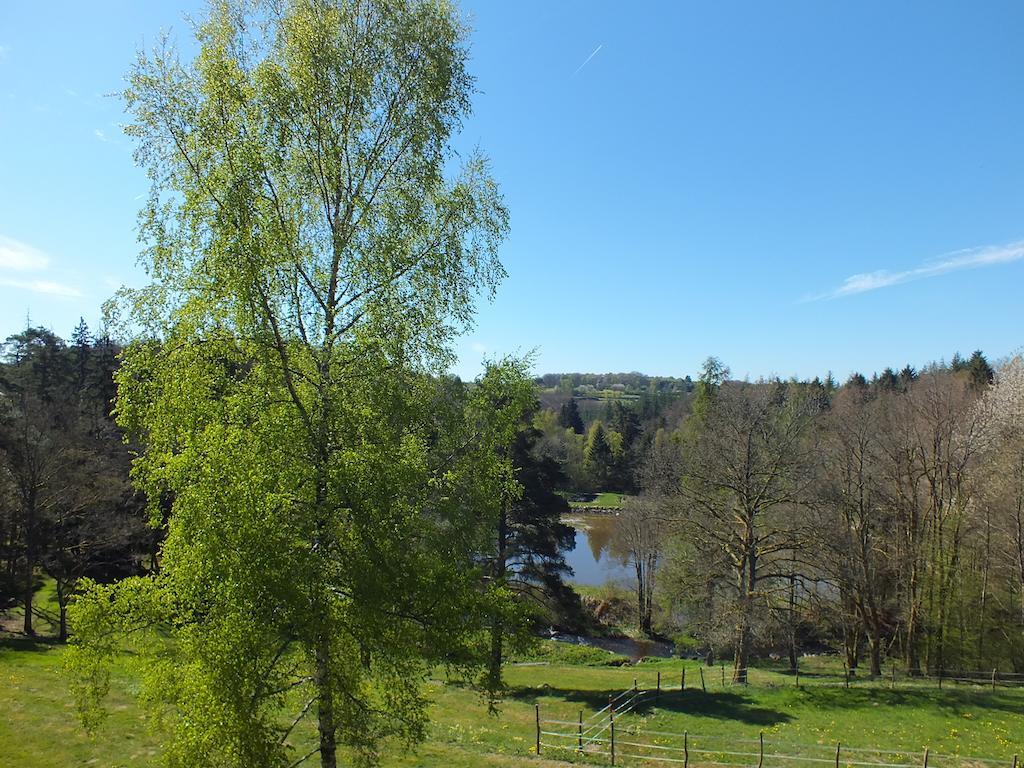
(584, 384)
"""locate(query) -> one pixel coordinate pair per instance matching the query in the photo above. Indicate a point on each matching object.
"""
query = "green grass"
(38, 727)
(603, 500)
(569, 654)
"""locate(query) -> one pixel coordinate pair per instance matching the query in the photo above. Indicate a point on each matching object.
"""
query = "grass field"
(602, 500)
(38, 727)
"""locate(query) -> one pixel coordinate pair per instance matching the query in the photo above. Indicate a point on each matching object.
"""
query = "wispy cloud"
(41, 286)
(587, 60)
(21, 258)
(99, 134)
(479, 348)
(971, 258)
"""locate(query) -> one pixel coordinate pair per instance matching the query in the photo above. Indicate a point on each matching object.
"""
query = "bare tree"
(931, 438)
(639, 534)
(748, 471)
(856, 523)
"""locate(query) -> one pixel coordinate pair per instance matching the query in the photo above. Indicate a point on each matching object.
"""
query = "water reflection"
(595, 559)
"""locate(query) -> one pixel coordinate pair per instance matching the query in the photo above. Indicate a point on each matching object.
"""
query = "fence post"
(658, 693)
(1014, 761)
(893, 670)
(536, 709)
(993, 679)
(839, 745)
(686, 751)
(926, 757)
(940, 679)
(760, 758)
(723, 675)
(682, 680)
(846, 674)
(613, 738)
(702, 688)
(798, 676)
(581, 731)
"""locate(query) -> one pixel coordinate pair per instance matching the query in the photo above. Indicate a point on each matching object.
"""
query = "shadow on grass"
(19, 642)
(948, 700)
(720, 705)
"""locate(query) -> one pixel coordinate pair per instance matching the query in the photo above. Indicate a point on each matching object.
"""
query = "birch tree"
(310, 263)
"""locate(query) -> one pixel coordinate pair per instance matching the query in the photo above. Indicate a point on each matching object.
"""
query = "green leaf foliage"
(328, 485)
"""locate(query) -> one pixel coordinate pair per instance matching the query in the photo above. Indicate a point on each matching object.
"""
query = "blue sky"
(794, 187)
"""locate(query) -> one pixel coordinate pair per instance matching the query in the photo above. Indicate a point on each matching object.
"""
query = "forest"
(880, 518)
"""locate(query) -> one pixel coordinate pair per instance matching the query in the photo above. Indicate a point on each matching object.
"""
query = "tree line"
(67, 508)
(880, 517)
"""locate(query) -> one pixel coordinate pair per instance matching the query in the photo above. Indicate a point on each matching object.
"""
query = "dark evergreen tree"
(857, 380)
(569, 416)
(598, 460)
(532, 540)
(626, 422)
(888, 381)
(979, 371)
(907, 376)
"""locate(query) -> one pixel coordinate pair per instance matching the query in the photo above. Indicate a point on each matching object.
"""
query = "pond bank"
(624, 646)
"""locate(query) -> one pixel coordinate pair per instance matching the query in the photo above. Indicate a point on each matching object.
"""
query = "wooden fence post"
(536, 709)
(723, 675)
(702, 687)
(926, 757)
(993, 679)
(940, 679)
(846, 674)
(760, 758)
(1014, 761)
(658, 693)
(581, 731)
(893, 670)
(839, 745)
(682, 680)
(613, 739)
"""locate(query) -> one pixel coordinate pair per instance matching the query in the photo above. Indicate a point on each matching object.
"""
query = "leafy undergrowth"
(554, 652)
(39, 729)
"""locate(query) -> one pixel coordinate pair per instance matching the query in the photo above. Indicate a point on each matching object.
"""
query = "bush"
(559, 652)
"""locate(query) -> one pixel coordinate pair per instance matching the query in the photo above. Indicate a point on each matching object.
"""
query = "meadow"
(893, 725)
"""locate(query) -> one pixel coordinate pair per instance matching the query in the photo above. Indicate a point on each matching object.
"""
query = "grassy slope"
(39, 729)
(603, 500)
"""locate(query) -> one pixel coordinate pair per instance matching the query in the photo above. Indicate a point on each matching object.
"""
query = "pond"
(594, 560)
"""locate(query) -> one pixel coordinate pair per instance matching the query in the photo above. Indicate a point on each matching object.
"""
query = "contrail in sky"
(581, 66)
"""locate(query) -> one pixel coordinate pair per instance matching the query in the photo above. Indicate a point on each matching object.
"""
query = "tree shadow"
(719, 705)
(22, 643)
(951, 701)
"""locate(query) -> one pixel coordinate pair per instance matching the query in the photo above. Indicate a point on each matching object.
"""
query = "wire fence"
(724, 676)
(609, 736)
